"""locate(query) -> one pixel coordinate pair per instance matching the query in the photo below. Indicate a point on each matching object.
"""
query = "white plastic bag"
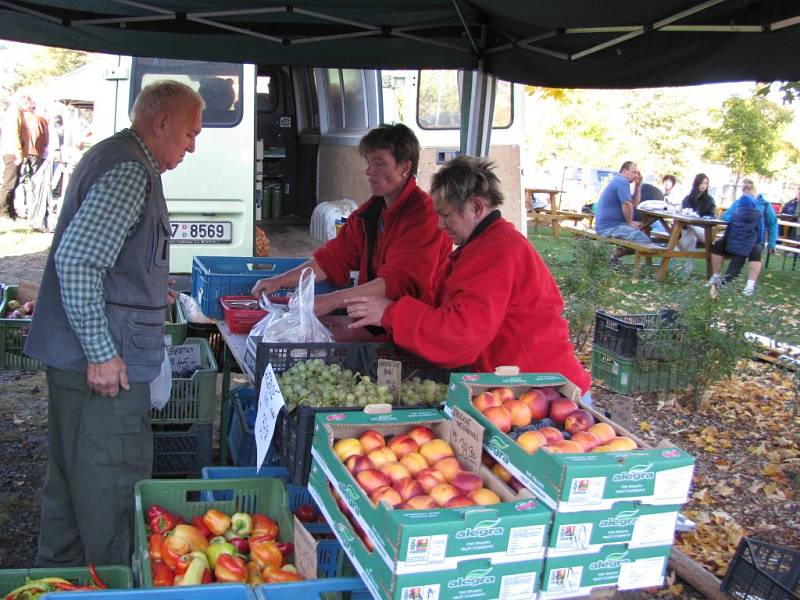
(161, 386)
(192, 310)
(298, 323)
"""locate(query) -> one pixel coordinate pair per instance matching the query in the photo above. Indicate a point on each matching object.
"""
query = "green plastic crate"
(175, 324)
(192, 398)
(635, 375)
(13, 333)
(117, 577)
(183, 497)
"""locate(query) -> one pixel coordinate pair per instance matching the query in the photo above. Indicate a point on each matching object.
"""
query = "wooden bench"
(552, 215)
(788, 247)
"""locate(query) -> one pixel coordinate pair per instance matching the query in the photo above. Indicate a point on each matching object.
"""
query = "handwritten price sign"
(467, 438)
(270, 403)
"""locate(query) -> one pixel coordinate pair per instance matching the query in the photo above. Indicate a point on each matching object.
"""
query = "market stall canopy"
(564, 43)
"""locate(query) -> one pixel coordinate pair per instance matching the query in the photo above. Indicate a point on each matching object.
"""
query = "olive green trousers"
(99, 448)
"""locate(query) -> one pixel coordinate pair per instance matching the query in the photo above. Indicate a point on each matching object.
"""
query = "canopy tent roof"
(564, 43)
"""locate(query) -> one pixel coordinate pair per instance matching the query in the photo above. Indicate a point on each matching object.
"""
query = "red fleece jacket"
(496, 305)
(410, 252)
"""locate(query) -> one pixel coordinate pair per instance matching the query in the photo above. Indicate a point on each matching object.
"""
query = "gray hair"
(748, 184)
(465, 177)
(160, 96)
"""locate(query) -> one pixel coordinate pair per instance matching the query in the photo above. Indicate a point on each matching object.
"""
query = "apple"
(503, 393)
(449, 467)
(560, 408)
(357, 463)
(386, 494)
(499, 417)
(408, 488)
(484, 400)
(604, 432)
(435, 450)
(588, 441)
(578, 420)
(537, 402)
(552, 435)
(381, 456)
(421, 434)
(29, 307)
(371, 440)
(346, 447)
(519, 411)
(466, 482)
(414, 462)
(371, 479)
(531, 441)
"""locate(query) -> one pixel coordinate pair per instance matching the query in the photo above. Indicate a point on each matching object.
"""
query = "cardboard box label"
(426, 549)
(526, 540)
(673, 483)
(518, 587)
(586, 490)
(642, 573)
(654, 530)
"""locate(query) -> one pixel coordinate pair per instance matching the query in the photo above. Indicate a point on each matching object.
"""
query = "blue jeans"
(623, 231)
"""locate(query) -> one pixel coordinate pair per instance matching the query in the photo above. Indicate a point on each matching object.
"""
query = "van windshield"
(220, 85)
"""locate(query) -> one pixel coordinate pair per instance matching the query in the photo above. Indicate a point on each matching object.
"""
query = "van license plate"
(201, 232)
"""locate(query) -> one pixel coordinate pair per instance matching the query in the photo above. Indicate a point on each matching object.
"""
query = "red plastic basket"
(238, 315)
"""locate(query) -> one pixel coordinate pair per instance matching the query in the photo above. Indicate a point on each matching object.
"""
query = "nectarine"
(429, 478)
(421, 434)
(402, 445)
(500, 417)
(419, 503)
(381, 456)
(414, 462)
(587, 440)
(484, 400)
(550, 393)
(408, 488)
(371, 440)
(357, 463)
(395, 471)
(435, 450)
(519, 411)
(371, 479)
(347, 447)
(503, 393)
(578, 420)
(386, 494)
(531, 441)
(484, 497)
(466, 482)
(459, 501)
(537, 402)
(442, 493)
(501, 472)
(622, 444)
(560, 408)
(552, 435)
(569, 447)
(604, 432)
(449, 467)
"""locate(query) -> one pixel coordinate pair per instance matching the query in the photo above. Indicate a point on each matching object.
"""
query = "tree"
(748, 135)
(789, 89)
(44, 63)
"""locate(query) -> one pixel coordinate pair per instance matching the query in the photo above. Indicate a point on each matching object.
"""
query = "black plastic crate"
(632, 336)
(763, 571)
(210, 333)
(181, 450)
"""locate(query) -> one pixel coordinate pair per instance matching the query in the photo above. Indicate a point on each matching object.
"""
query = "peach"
(386, 494)
(381, 456)
(578, 420)
(537, 402)
(569, 447)
(499, 417)
(429, 478)
(550, 393)
(449, 467)
(501, 472)
(503, 394)
(402, 445)
(435, 450)
(414, 462)
(484, 400)
(602, 448)
(459, 501)
(408, 488)
(371, 479)
(442, 493)
(419, 503)
(358, 463)
(421, 434)
(604, 432)
(347, 447)
(484, 497)
(519, 411)
(552, 435)
(466, 482)
(560, 408)
(371, 440)
(531, 441)
(586, 440)
(395, 471)
(621, 444)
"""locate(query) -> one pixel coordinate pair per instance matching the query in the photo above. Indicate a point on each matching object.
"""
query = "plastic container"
(184, 497)
(175, 324)
(13, 333)
(764, 571)
(632, 336)
(215, 591)
(240, 320)
(192, 398)
(114, 576)
(241, 434)
(635, 375)
(313, 589)
(181, 450)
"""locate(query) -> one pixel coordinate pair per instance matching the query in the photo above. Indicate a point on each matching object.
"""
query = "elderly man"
(13, 142)
(99, 329)
(615, 209)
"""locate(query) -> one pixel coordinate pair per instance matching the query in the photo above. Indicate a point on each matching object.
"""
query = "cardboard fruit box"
(469, 578)
(411, 541)
(575, 481)
(614, 565)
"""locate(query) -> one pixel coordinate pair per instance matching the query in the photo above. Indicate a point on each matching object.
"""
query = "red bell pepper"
(172, 549)
(162, 521)
(182, 564)
(96, 578)
(162, 574)
(230, 569)
(264, 526)
(218, 522)
(286, 548)
(265, 551)
(197, 523)
(272, 574)
(156, 541)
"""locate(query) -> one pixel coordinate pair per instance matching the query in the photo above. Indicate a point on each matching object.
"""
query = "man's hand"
(172, 295)
(367, 310)
(267, 286)
(107, 377)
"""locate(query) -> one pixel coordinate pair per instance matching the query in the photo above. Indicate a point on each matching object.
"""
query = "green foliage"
(748, 134)
(585, 283)
(45, 63)
(790, 90)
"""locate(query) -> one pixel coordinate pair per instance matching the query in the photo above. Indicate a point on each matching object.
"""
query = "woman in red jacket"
(497, 303)
(392, 240)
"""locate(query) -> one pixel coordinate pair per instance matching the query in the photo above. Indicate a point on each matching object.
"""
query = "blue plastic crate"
(217, 276)
(313, 588)
(271, 472)
(217, 591)
(241, 436)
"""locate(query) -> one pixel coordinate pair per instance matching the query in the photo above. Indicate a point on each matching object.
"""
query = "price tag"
(622, 411)
(305, 551)
(466, 436)
(270, 403)
(184, 358)
(389, 375)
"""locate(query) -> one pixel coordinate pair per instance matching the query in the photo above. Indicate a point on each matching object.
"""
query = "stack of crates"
(183, 429)
(241, 433)
(625, 353)
(13, 334)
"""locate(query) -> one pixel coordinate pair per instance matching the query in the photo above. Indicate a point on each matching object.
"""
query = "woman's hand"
(325, 304)
(366, 310)
(267, 286)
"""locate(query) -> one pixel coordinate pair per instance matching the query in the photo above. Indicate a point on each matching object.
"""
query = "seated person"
(789, 212)
(698, 200)
(496, 304)
(615, 209)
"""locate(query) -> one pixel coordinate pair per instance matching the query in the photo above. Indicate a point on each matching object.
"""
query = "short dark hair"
(464, 177)
(668, 178)
(626, 166)
(397, 139)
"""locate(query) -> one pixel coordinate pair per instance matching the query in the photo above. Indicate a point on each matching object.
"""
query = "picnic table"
(675, 223)
(786, 244)
(553, 215)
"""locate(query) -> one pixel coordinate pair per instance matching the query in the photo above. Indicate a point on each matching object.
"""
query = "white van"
(277, 141)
